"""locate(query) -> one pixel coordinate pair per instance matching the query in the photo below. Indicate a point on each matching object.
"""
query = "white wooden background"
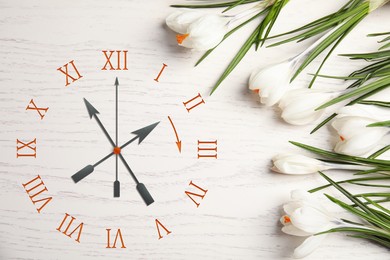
(238, 218)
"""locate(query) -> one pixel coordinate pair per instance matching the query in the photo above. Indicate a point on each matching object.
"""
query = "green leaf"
(379, 152)
(207, 53)
(377, 205)
(370, 216)
(217, 5)
(368, 56)
(367, 231)
(382, 241)
(353, 181)
(237, 58)
(380, 124)
(343, 157)
(348, 30)
(329, 118)
(329, 40)
(375, 103)
(382, 82)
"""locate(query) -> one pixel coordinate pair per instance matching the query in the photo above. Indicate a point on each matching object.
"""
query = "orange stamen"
(342, 138)
(181, 37)
(256, 91)
(286, 219)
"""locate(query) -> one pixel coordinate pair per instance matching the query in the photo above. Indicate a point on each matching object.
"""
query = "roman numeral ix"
(32, 152)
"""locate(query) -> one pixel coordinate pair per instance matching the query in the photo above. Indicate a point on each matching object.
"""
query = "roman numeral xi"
(75, 75)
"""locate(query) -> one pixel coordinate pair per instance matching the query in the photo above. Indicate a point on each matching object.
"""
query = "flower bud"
(356, 138)
(271, 82)
(298, 105)
(197, 30)
(297, 164)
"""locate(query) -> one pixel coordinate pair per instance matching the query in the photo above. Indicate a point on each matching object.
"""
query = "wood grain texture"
(238, 218)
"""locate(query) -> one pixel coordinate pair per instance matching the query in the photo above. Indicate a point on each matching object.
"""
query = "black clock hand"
(93, 113)
(116, 182)
(141, 134)
(148, 199)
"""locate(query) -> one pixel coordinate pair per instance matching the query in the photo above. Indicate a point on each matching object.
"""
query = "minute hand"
(140, 134)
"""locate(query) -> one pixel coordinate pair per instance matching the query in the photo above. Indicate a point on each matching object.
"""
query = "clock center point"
(117, 150)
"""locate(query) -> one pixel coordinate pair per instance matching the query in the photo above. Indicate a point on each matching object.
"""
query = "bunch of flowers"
(204, 31)
(361, 127)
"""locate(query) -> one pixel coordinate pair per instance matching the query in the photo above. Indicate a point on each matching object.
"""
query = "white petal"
(299, 105)
(290, 207)
(309, 219)
(294, 231)
(206, 32)
(308, 246)
(362, 143)
(180, 20)
(272, 82)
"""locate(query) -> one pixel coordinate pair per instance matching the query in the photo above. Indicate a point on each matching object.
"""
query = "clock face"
(113, 147)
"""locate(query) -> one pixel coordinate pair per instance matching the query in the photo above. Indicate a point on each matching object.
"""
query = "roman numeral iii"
(121, 60)
(34, 188)
(207, 149)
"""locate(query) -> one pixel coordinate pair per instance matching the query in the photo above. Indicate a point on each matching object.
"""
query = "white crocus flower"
(299, 105)
(197, 30)
(289, 163)
(271, 82)
(305, 216)
(356, 138)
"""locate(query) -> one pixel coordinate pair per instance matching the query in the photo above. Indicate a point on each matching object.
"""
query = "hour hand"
(84, 172)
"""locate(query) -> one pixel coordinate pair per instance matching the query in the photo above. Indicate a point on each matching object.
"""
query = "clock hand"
(93, 113)
(140, 186)
(141, 134)
(116, 182)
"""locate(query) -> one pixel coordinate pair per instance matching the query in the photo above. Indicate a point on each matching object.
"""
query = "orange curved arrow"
(178, 142)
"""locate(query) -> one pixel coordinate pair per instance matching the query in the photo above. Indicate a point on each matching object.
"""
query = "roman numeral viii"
(34, 188)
